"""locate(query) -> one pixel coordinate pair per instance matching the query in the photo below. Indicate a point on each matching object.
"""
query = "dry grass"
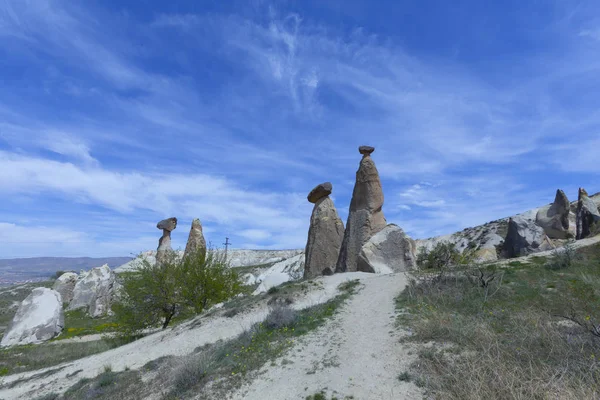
(516, 344)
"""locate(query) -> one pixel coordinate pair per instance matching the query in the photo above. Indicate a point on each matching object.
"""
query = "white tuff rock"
(94, 291)
(65, 284)
(39, 318)
(389, 250)
(288, 270)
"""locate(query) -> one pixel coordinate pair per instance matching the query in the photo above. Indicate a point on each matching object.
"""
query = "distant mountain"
(19, 270)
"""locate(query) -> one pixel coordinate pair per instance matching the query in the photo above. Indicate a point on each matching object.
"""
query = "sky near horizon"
(117, 114)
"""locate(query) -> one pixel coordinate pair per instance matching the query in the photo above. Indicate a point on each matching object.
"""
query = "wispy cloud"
(233, 116)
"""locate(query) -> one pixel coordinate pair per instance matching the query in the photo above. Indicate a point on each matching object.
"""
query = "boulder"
(320, 191)
(325, 236)
(164, 244)
(248, 279)
(554, 218)
(365, 217)
(94, 291)
(39, 318)
(65, 285)
(196, 240)
(524, 237)
(389, 250)
(587, 216)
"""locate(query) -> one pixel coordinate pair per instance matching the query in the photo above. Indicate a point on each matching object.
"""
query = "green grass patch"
(79, 323)
(107, 386)
(522, 341)
(31, 357)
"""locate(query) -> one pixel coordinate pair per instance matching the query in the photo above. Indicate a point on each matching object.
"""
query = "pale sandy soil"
(356, 354)
(177, 341)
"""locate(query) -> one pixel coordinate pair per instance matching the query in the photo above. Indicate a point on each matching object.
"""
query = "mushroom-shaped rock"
(65, 284)
(196, 241)
(168, 224)
(587, 216)
(164, 244)
(524, 237)
(389, 250)
(365, 218)
(39, 318)
(554, 218)
(94, 291)
(320, 191)
(366, 150)
(325, 234)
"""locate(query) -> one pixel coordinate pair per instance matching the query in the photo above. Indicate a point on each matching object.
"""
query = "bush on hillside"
(153, 294)
(206, 279)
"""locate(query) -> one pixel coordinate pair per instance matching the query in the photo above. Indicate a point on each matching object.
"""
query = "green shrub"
(153, 295)
(281, 316)
(563, 259)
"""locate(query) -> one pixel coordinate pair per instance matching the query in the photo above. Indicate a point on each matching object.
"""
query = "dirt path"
(180, 340)
(355, 354)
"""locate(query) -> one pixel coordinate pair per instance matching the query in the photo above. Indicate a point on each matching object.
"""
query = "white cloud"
(67, 145)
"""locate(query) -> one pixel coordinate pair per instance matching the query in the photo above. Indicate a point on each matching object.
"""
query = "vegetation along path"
(357, 355)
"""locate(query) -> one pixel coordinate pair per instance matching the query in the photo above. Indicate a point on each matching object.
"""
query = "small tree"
(207, 279)
(153, 294)
(149, 295)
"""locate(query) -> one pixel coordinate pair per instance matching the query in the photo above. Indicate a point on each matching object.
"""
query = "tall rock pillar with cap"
(325, 234)
(365, 217)
(164, 244)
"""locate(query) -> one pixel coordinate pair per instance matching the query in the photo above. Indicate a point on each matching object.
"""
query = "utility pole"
(227, 244)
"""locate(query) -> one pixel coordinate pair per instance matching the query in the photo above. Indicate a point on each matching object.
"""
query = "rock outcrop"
(325, 234)
(554, 218)
(524, 237)
(94, 291)
(164, 244)
(65, 285)
(587, 216)
(39, 318)
(196, 242)
(287, 270)
(365, 217)
(389, 250)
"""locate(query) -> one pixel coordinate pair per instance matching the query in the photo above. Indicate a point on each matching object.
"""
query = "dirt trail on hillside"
(357, 353)
(178, 341)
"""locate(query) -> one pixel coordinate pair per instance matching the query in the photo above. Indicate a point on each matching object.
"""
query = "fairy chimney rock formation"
(164, 244)
(196, 242)
(365, 218)
(325, 234)
(587, 216)
(555, 217)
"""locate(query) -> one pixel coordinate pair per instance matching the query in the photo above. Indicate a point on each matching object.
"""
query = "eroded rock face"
(365, 218)
(164, 244)
(389, 250)
(587, 216)
(65, 285)
(325, 234)
(554, 219)
(196, 241)
(524, 237)
(94, 291)
(39, 318)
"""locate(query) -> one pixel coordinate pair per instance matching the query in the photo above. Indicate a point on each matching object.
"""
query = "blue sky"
(117, 114)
